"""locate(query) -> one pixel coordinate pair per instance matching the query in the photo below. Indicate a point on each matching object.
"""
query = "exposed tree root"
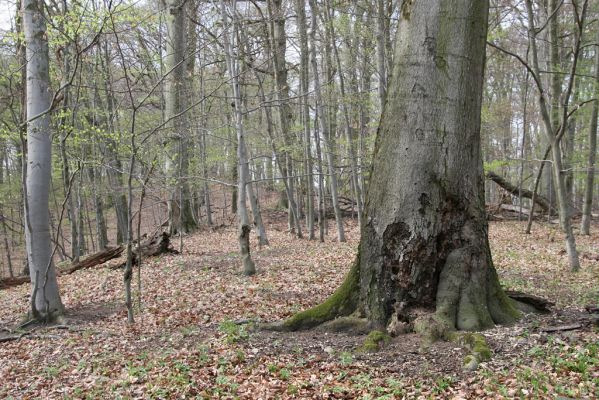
(341, 303)
(469, 298)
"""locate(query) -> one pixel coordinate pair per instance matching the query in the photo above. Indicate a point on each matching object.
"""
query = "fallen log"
(514, 209)
(561, 328)
(93, 260)
(15, 281)
(154, 246)
(89, 262)
(513, 189)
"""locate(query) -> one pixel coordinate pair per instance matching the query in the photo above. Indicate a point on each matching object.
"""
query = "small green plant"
(203, 356)
(442, 384)
(292, 389)
(285, 374)
(536, 351)
(346, 358)
(233, 332)
(51, 371)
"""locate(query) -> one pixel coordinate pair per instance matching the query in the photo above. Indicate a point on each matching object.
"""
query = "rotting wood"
(154, 246)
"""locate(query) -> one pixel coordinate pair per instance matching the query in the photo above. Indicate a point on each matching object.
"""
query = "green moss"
(341, 303)
(476, 344)
(373, 341)
(470, 362)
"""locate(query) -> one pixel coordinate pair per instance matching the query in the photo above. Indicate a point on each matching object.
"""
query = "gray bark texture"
(555, 132)
(45, 297)
(180, 215)
(424, 239)
(249, 268)
(590, 178)
(324, 119)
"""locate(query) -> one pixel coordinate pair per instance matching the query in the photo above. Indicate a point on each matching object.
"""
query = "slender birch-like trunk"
(46, 302)
(245, 228)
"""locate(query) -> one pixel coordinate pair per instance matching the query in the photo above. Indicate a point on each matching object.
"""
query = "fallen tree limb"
(561, 328)
(89, 262)
(513, 189)
(11, 282)
(4, 339)
(95, 259)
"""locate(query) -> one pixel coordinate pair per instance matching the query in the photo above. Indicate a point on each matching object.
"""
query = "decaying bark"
(424, 246)
(151, 247)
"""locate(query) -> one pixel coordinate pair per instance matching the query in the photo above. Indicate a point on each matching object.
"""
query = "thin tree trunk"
(321, 196)
(115, 167)
(249, 267)
(300, 6)
(554, 136)
(590, 178)
(348, 128)
(323, 119)
(523, 144)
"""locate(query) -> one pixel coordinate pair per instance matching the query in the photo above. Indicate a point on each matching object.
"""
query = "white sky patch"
(7, 14)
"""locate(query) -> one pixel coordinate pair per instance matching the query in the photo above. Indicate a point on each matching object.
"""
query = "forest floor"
(187, 341)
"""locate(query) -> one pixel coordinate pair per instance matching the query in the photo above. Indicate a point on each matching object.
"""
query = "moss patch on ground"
(374, 342)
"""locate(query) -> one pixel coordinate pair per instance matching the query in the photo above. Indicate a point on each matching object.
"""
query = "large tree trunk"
(179, 212)
(424, 239)
(45, 297)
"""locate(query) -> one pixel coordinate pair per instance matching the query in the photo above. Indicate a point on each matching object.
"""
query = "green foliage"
(496, 165)
(233, 332)
(346, 358)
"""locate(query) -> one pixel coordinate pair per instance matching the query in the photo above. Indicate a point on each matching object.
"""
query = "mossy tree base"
(424, 260)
